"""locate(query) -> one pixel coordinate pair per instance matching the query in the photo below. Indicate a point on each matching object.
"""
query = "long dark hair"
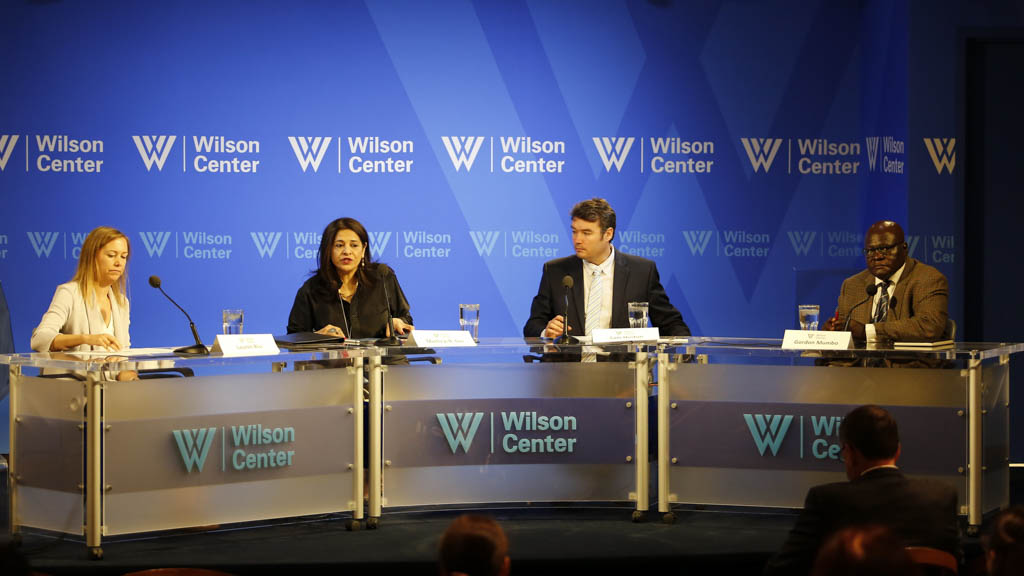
(327, 273)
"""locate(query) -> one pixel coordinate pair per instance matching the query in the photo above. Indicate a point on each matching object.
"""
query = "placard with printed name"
(440, 338)
(816, 340)
(244, 345)
(611, 335)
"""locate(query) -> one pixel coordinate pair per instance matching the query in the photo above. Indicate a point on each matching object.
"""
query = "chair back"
(933, 560)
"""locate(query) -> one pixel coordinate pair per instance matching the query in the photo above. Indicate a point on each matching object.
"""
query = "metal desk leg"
(93, 466)
(356, 373)
(974, 450)
(640, 461)
(664, 398)
(376, 376)
(12, 465)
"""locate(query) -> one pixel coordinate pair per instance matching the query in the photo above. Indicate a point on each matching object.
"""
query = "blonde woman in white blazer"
(91, 312)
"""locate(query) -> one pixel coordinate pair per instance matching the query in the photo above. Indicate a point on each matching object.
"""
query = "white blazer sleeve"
(54, 320)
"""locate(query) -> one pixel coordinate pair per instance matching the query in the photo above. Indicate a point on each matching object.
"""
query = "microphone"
(568, 282)
(870, 289)
(198, 349)
(393, 339)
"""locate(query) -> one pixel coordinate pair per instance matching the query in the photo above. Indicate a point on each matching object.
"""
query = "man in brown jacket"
(911, 301)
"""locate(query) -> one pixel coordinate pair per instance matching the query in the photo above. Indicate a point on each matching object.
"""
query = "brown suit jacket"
(918, 309)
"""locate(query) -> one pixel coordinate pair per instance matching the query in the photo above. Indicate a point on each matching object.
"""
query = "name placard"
(244, 345)
(816, 340)
(440, 338)
(612, 335)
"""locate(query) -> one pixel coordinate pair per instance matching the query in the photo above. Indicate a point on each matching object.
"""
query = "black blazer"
(921, 512)
(317, 305)
(636, 280)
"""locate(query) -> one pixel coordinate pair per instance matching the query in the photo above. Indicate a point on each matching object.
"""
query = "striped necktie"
(594, 309)
(883, 302)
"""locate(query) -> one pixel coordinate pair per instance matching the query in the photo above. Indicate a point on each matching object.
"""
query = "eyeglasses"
(880, 249)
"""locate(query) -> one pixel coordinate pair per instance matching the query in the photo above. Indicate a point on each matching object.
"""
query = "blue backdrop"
(745, 146)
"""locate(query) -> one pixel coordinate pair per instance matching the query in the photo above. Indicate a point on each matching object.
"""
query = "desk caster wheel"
(669, 518)
(96, 553)
(352, 525)
(638, 516)
(373, 523)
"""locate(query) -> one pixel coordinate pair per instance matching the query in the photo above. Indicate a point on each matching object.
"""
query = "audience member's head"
(474, 545)
(870, 438)
(1005, 543)
(863, 550)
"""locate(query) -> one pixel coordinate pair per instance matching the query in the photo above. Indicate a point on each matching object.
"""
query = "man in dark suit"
(619, 279)
(912, 301)
(920, 512)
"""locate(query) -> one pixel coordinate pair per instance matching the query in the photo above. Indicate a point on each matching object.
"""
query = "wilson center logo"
(194, 445)
(154, 149)
(697, 240)
(7, 144)
(802, 241)
(310, 151)
(266, 242)
(942, 152)
(761, 151)
(768, 430)
(43, 242)
(379, 242)
(872, 145)
(462, 150)
(155, 242)
(484, 240)
(460, 428)
(613, 151)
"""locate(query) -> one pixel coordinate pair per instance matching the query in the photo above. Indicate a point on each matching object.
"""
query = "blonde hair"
(85, 275)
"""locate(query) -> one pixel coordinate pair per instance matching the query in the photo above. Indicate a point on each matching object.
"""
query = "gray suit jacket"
(69, 314)
(918, 309)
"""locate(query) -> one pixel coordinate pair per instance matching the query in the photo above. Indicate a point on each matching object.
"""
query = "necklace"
(347, 293)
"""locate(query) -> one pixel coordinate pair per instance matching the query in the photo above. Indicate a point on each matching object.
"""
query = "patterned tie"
(883, 302)
(593, 309)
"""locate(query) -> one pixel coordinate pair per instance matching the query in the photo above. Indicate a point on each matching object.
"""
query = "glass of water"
(233, 321)
(638, 314)
(469, 319)
(808, 315)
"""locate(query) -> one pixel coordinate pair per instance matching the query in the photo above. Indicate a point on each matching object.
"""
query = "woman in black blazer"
(348, 294)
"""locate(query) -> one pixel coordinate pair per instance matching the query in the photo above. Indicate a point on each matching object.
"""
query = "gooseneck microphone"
(198, 349)
(870, 289)
(393, 339)
(568, 283)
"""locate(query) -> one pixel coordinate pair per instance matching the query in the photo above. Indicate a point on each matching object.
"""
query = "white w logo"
(194, 445)
(942, 153)
(698, 240)
(379, 242)
(462, 150)
(767, 431)
(912, 245)
(484, 241)
(459, 428)
(761, 151)
(43, 242)
(310, 151)
(155, 242)
(613, 151)
(801, 241)
(154, 149)
(266, 242)
(872, 143)
(7, 143)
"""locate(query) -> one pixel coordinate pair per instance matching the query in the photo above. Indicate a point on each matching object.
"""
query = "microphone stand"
(197, 349)
(391, 340)
(565, 338)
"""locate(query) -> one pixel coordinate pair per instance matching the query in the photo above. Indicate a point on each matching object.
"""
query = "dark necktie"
(883, 302)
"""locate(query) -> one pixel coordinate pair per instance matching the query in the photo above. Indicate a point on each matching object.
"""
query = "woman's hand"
(332, 330)
(401, 328)
(101, 341)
